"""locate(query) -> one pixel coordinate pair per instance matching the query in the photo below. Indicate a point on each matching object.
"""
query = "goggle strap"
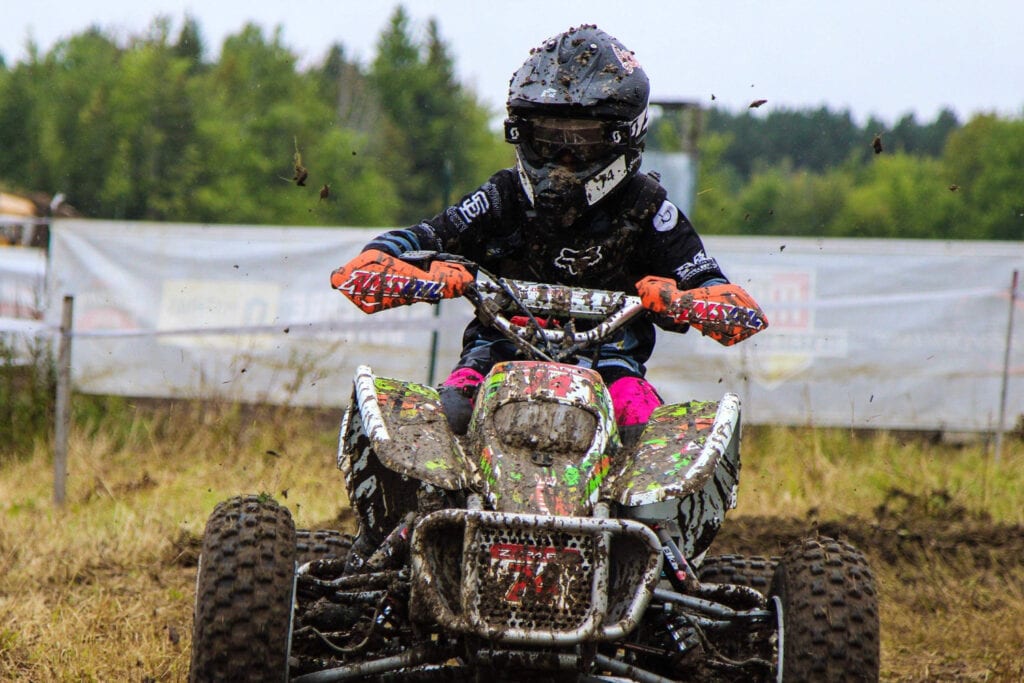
(519, 129)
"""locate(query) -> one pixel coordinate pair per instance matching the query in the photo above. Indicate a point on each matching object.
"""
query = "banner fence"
(879, 334)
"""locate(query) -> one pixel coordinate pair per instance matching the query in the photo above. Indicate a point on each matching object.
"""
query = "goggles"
(548, 138)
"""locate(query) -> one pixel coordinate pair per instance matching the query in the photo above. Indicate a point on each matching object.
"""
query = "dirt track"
(905, 529)
(951, 583)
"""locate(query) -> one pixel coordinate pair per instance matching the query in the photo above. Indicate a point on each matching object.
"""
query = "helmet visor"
(547, 138)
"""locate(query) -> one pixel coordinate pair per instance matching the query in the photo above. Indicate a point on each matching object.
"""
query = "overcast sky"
(885, 58)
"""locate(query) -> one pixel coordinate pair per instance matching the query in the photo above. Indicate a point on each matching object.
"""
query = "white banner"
(864, 333)
(884, 334)
(22, 299)
(22, 280)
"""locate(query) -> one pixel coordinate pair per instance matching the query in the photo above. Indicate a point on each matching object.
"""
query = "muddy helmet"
(577, 115)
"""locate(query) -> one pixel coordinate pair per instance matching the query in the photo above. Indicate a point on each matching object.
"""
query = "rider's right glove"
(376, 281)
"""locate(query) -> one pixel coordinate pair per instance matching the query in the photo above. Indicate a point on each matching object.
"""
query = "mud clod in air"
(301, 173)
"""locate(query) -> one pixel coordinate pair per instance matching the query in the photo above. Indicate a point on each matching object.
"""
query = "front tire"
(826, 594)
(244, 593)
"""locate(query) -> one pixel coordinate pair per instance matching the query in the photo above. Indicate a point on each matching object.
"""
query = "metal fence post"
(63, 407)
(1006, 369)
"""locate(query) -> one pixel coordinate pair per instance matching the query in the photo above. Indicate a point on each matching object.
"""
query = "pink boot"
(634, 400)
(457, 397)
(466, 379)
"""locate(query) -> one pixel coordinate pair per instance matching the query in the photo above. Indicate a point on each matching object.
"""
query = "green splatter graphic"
(681, 463)
(595, 482)
(494, 383)
(485, 469)
(386, 384)
(421, 390)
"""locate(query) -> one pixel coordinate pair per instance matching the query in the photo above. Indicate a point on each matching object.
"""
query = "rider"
(575, 211)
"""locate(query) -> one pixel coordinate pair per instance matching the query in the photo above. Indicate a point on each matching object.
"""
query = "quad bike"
(541, 545)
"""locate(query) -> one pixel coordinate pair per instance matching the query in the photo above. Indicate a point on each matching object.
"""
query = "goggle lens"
(549, 138)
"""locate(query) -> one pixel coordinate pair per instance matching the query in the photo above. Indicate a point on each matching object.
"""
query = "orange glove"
(726, 313)
(376, 281)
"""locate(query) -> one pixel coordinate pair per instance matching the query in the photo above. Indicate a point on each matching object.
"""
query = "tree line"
(152, 129)
(816, 173)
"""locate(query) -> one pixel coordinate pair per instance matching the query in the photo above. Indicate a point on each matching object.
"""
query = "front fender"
(679, 451)
(408, 430)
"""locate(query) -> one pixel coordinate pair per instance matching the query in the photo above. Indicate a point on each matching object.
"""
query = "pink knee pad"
(466, 379)
(634, 400)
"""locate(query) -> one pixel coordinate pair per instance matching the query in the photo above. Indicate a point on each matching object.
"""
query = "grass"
(26, 394)
(943, 528)
(837, 472)
(102, 589)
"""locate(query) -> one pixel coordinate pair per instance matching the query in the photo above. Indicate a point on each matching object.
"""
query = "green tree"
(433, 125)
(258, 122)
(152, 117)
(808, 139)
(18, 131)
(715, 210)
(900, 196)
(820, 139)
(190, 44)
(74, 131)
(984, 161)
(101, 123)
(928, 140)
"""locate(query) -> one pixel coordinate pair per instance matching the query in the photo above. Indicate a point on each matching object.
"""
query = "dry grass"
(102, 589)
(943, 527)
(838, 473)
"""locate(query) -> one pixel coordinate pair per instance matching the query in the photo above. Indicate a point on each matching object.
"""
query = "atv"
(544, 544)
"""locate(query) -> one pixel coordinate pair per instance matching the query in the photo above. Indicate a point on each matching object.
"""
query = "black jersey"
(637, 232)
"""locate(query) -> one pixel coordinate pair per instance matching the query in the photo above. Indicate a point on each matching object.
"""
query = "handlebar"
(377, 281)
(612, 309)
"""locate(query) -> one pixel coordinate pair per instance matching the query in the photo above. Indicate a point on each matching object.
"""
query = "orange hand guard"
(376, 281)
(726, 313)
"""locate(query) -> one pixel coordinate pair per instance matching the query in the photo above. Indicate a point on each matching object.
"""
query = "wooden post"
(63, 407)
(1006, 370)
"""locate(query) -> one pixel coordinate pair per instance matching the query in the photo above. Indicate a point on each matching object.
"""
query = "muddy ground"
(950, 584)
(923, 551)
(904, 529)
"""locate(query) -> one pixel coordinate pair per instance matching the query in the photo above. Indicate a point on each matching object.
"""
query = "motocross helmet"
(577, 115)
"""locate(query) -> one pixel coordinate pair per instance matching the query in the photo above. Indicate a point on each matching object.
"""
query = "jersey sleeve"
(462, 227)
(674, 249)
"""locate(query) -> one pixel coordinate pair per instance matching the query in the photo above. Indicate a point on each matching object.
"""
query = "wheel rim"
(291, 628)
(780, 629)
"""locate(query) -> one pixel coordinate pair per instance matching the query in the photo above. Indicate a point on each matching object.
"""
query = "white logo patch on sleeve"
(474, 205)
(666, 217)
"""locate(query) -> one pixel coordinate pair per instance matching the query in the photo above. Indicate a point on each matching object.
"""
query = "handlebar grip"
(726, 313)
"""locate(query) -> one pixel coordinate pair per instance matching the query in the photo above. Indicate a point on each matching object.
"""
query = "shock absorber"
(678, 571)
